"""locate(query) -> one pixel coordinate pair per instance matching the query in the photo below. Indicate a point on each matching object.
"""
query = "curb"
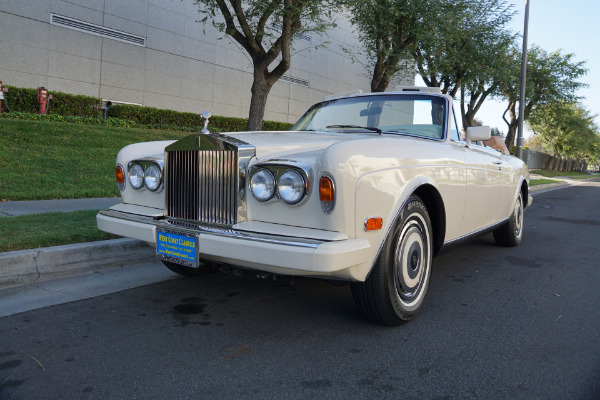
(24, 267)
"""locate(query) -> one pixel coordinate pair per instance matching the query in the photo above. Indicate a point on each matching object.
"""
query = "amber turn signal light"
(120, 174)
(326, 191)
(373, 224)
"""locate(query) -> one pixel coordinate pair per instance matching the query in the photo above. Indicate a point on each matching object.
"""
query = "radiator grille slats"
(200, 186)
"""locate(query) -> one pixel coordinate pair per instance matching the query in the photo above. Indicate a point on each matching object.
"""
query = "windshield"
(421, 115)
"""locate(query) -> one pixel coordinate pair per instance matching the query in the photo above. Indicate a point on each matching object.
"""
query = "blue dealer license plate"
(177, 247)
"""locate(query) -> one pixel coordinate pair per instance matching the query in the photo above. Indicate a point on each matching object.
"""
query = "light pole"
(523, 82)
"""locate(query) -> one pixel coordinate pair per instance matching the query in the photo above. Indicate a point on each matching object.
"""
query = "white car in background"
(366, 188)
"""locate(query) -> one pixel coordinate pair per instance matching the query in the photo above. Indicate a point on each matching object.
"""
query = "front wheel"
(511, 233)
(394, 291)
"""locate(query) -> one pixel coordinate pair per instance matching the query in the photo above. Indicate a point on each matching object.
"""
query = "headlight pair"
(290, 185)
(145, 173)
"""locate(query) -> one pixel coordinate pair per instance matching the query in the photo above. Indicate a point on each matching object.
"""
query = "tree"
(445, 39)
(386, 29)
(458, 43)
(265, 29)
(483, 79)
(566, 129)
(497, 132)
(551, 77)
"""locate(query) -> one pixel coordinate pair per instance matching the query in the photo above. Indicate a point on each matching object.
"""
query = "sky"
(571, 26)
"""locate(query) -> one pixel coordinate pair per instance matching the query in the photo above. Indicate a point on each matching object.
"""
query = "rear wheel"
(188, 271)
(511, 233)
(394, 291)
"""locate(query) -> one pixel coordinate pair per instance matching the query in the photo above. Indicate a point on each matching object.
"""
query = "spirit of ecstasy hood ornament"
(206, 115)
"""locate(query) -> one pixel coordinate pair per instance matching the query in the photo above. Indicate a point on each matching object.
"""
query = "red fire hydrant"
(42, 98)
(2, 91)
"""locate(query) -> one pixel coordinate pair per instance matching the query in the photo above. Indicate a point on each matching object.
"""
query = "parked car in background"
(365, 188)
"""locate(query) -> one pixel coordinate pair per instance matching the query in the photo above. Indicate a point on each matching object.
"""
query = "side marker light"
(373, 224)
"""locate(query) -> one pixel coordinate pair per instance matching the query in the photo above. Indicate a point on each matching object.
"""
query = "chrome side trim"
(195, 229)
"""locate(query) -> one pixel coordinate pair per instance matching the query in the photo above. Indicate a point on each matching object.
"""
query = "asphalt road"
(519, 323)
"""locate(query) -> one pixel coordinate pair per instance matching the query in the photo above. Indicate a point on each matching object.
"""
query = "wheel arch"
(525, 191)
(437, 213)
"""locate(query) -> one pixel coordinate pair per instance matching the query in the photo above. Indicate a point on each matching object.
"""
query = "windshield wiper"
(368, 128)
(397, 131)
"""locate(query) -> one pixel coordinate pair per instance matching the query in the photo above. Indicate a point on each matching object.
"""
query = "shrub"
(154, 117)
(71, 119)
(25, 100)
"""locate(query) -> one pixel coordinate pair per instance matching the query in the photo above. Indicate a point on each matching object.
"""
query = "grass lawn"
(552, 174)
(534, 182)
(49, 229)
(57, 160)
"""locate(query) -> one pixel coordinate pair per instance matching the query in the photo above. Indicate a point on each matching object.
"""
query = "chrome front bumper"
(291, 251)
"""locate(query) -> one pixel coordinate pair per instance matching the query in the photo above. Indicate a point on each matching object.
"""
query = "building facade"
(155, 53)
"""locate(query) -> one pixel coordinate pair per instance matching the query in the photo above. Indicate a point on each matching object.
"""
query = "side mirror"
(477, 133)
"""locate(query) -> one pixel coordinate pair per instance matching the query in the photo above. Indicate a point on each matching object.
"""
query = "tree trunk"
(510, 135)
(380, 84)
(260, 91)
(381, 75)
(513, 124)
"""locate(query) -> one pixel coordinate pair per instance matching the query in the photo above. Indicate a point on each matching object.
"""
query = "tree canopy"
(455, 46)
(386, 29)
(566, 129)
(451, 44)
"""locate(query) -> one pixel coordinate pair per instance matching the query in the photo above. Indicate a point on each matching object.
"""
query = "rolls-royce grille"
(201, 185)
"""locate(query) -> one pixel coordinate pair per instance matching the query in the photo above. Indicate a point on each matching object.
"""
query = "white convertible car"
(366, 188)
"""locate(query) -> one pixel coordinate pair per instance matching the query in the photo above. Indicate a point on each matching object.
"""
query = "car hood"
(270, 145)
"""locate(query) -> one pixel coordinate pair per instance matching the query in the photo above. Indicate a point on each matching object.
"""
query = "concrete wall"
(184, 65)
(535, 159)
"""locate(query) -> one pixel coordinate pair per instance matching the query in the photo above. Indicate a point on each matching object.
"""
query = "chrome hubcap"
(518, 216)
(411, 260)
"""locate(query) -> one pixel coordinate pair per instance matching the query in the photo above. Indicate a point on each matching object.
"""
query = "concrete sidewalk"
(15, 208)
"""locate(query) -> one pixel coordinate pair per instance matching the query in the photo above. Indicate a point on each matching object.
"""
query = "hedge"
(25, 100)
(155, 116)
(73, 120)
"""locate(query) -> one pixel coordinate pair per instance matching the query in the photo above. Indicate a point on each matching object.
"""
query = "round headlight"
(152, 177)
(291, 187)
(262, 185)
(136, 176)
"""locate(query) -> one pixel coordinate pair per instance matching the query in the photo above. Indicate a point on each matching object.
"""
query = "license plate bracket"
(177, 247)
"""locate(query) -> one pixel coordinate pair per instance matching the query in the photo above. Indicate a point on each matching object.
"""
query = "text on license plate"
(176, 247)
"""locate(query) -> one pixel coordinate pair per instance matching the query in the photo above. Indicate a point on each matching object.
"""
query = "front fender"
(382, 194)
(142, 197)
